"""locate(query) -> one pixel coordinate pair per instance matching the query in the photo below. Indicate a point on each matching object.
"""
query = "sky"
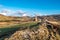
(29, 7)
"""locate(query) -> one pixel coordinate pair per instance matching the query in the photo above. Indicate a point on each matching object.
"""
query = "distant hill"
(27, 18)
(52, 17)
(8, 18)
(14, 18)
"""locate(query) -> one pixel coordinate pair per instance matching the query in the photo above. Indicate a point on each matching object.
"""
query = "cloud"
(24, 15)
(21, 12)
(9, 12)
(3, 13)
(6, 12)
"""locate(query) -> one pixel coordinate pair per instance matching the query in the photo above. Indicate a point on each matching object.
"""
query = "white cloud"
(21, 12)
(9, 12)
(24, 15)
(6, 12)
(3, 13)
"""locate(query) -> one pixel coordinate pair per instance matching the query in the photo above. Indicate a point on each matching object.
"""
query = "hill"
(53, 17)
(28, 29)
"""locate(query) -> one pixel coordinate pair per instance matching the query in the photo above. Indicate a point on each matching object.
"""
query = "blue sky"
(30, 7)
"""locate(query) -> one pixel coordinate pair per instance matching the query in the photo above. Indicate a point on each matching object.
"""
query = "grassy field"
(33, 27)
(11, 28)
(7, 29)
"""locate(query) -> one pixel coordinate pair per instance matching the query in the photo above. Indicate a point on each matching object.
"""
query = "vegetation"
(17, 28)
(39, 32)
(11, 28)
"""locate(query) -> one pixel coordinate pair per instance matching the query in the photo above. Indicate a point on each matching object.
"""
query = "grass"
(31, 25)
(5, 30)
